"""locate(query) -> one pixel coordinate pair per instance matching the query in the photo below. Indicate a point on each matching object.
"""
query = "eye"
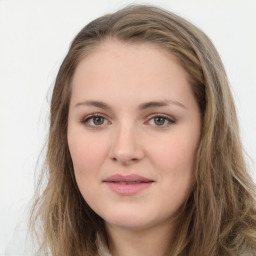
(95, 120)
(161, 121)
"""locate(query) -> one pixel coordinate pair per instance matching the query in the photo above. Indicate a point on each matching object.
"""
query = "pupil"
(98, 120)
(159, 120)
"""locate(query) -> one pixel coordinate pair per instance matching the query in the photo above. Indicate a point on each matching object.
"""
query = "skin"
(129, 139)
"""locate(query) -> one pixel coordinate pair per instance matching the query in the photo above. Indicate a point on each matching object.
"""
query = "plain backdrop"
(35, 36)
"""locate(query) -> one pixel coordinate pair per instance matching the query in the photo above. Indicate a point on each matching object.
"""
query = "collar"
(102, 247)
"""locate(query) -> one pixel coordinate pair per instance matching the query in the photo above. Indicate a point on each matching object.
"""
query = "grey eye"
(98, 120)
(95, 120)
(159, 121)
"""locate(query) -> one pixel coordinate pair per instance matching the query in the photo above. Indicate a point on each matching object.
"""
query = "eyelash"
(167, 118)
(90, 117)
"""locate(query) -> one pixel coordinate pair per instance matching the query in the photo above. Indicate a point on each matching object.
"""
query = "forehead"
(137, 69)
(127, 55)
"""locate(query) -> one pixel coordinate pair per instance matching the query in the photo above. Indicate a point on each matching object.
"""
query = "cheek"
(87, 152)
(88, 155)
(174, 159)
(175, 154)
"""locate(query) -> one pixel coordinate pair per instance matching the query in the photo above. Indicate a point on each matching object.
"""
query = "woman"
(144, 155)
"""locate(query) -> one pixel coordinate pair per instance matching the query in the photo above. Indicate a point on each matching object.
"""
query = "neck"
(148, 242)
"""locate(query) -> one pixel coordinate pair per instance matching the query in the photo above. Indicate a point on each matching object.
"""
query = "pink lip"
(127, 185)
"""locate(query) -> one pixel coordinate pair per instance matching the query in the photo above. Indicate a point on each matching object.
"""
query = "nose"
(126, 148)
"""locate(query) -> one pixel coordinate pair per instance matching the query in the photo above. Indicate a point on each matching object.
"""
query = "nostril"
(126, 151)
(114, 159)
(124, 160)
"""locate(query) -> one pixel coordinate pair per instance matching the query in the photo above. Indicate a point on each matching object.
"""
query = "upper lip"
(127, 178)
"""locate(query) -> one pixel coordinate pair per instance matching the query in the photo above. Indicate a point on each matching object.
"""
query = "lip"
(127, 184)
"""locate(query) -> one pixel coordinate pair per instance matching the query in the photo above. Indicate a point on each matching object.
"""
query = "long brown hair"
(219, 215)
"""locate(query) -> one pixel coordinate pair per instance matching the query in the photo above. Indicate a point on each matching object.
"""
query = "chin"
(130, 220)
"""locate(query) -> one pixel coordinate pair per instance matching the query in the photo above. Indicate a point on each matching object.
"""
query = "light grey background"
(35, 36)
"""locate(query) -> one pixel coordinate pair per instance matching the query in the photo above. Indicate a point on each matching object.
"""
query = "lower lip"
(128, 189)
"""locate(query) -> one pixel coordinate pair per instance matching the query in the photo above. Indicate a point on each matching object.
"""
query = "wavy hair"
(218, 217)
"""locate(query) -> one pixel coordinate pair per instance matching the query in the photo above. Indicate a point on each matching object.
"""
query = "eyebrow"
(143, 106)
(98, 104)
(163, 103)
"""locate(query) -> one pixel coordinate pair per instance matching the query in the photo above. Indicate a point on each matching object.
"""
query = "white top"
(102, 248)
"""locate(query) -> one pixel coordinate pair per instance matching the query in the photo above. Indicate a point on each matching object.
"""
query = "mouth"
(127, 185)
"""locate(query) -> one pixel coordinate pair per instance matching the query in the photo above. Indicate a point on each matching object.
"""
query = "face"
(133, 132)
